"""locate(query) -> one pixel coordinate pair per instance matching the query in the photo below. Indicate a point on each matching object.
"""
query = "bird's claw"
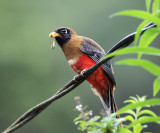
(82, 73)
(74, 78)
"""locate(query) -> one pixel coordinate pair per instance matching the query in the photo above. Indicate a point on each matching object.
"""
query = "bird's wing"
(95, 52)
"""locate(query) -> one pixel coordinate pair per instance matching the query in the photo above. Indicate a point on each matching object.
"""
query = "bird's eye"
(64, 31)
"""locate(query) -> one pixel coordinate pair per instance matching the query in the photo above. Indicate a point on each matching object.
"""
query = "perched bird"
(82, 53)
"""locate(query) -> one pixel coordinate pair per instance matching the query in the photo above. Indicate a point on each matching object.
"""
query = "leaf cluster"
(142, 44)
(137, 115)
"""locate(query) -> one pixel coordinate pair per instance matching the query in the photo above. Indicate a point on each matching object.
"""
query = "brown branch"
(34, 111)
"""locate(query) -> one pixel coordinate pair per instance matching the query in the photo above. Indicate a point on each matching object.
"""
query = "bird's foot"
(74, 78)
(82, 73)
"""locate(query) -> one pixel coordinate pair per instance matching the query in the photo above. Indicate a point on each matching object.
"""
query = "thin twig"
(34, 111)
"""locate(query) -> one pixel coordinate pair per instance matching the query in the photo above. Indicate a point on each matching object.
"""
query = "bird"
(82, 53)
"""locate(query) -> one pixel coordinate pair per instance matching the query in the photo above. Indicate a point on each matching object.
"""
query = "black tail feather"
(109, 103)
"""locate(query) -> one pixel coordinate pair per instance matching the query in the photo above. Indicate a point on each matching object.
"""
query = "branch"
(34, 111)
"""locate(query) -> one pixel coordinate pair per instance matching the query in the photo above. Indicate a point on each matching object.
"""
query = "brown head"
(69, 41)
(62, 35)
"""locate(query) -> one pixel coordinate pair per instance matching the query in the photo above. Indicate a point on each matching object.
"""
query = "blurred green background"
(30, 71)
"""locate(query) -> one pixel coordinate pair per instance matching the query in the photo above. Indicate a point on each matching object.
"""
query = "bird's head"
(62, 36)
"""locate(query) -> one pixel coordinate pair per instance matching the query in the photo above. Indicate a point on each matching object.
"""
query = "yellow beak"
(54, 34)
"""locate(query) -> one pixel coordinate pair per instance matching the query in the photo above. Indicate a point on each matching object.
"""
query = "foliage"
(95, 124)
(142, 44)
(137, 114)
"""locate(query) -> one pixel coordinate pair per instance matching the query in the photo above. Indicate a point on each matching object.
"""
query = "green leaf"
(143, 98)
(138, 31)
(124, 130)
(147, 65)
(156, 86)
(148, 37)
(147, 112)
(77, 118)
(137, 128)
(131, 112)
(129, 118)
(82, 126)
(129, 101)
(95, 118)
(150, 102)
(155, 6)
(144, 120)
(148, 4)
(88, 123)
(133, 50)
(95, 131)
(134, 98)
(140, 14)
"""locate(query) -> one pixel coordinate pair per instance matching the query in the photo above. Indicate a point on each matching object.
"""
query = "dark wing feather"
(95, 52)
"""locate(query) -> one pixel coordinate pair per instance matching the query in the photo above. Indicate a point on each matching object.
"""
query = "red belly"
(99, 80)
